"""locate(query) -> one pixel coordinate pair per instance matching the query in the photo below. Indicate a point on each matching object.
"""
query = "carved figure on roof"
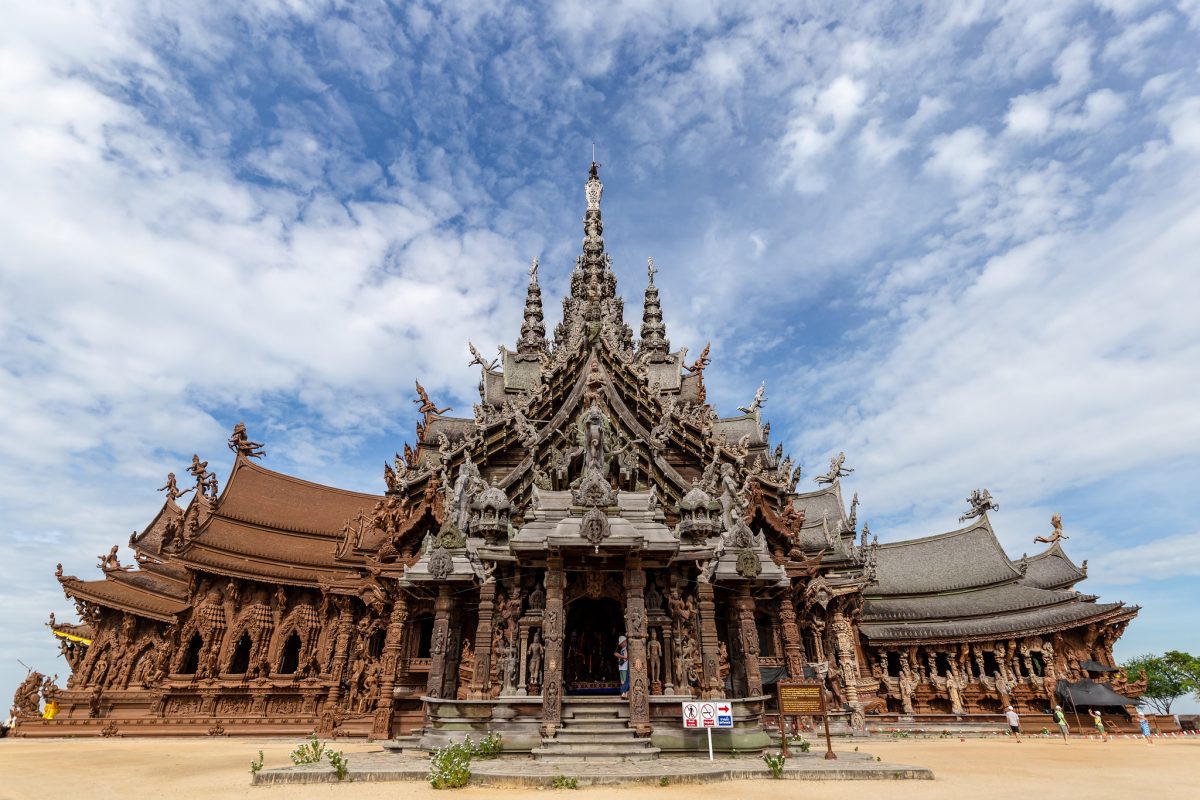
(795, 479)
(199, 471)
(25, 699)
(1055, 534)
(661, 431)
(489, 365)
(172, 490)
(111, 562)
(981, 502)
(758, 401)
(702, 362)
(210, 486)
(837, 469)
(596, 431)
(389, 477)
(240, 443)
(426, 406)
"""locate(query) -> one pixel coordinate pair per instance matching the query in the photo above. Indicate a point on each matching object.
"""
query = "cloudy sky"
(960, 243)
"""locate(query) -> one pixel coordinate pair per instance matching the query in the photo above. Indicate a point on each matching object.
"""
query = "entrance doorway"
(593, 625)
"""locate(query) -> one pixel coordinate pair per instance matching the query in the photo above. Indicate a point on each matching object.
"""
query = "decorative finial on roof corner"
(650, 268)
(981, 502)
(533, 268)
(1055, 534)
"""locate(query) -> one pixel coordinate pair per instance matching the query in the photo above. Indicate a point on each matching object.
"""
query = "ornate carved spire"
(594, 281)
(533, 329)
(654, 331)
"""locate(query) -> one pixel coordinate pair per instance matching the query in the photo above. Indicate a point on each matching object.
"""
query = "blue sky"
(959, 242)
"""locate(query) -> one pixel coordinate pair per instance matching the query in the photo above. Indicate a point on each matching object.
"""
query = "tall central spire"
(593, 279)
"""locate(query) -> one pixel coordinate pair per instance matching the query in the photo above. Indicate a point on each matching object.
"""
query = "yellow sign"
(801, 698)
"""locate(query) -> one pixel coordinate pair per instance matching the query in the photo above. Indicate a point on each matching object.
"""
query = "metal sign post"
(803, 698)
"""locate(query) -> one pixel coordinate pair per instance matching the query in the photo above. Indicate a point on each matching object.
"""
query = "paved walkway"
(525, 772)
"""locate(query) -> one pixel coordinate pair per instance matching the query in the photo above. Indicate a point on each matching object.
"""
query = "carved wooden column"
(341, 647)
(843, 640)
(522, 665)
(482, 674)
(793, 648)
(393, 639)
(668, 660)
(552, 679)
(453, 654)
(435, 684)
(710, 685)
(635, 633)
(749, 631)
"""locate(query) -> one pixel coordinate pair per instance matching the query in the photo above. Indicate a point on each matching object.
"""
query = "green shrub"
(664, 781)
(450, 766)
(775, 762)
(311, 752)
(488, 747)
(564, 782)
(341, 767)
(255, 766)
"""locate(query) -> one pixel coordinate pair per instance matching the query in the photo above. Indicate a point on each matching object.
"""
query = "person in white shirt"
(1014, 722)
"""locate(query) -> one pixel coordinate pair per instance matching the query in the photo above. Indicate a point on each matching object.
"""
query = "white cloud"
(1167, 557)
(1183, 122)
(965, 156)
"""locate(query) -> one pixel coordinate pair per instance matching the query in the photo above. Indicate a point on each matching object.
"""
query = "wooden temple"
(593, 494)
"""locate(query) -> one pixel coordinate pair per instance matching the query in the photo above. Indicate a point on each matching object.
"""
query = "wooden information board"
(801, 698)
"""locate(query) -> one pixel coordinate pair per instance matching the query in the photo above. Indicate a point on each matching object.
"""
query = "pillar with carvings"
(635, 633)
(843, 638)
(552, 679)
(392, 641)
(711, 686)
(439, 643)
(749, 637)
(481, 676)
(793, 647)
(341, 648)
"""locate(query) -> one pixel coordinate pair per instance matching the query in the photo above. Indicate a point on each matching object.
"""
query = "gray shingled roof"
(1052, 569)
(1041, 619)
(959, 559)
(991, 600)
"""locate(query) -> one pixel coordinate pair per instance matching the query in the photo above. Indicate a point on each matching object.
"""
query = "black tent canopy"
(1089, 693)
(1096, 666)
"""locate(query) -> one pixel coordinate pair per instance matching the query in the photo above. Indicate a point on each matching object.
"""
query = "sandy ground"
(131, 769)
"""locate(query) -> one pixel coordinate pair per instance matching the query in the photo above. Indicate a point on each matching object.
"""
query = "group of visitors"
(1014, 724)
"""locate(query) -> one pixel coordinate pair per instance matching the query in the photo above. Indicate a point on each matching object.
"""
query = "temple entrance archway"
(593, 625)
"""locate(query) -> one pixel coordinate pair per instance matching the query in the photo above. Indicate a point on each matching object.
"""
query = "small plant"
(341, 767)
(879, 758)
(257, 765)
(664, 781)
(1045, 731)
(856, 748)
(311, 752)
(805, 745)
(775, 763)
(564, 782)
(488, 747)
(450, 766)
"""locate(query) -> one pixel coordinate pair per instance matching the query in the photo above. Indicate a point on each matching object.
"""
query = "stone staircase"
(595, 729)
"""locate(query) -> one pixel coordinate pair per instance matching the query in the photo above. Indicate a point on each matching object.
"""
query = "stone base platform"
(526, 772)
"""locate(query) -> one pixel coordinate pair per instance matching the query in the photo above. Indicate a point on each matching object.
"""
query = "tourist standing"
(622, 654)
(1099, 724)
(1144, 724)
(1014, 722)
(1061, 719)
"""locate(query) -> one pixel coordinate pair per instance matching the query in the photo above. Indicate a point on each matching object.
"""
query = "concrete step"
(557, 753)
(616, 735)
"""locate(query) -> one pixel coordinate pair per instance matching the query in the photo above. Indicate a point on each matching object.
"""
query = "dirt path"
(191, 769)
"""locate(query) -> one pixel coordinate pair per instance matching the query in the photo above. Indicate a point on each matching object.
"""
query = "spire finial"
(650, 268)
(654, 331)
(533, 268)
(533, 329)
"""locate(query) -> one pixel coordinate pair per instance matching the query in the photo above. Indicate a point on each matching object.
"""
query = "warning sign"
(715, 714)
(691, 715)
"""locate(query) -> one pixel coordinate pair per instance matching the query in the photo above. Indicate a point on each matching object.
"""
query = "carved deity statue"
(425, 405)
(702, 362)
(536, 650)
(199, 471)
(837, 469)
(1055, 534)
(758, 401)
(240, 443)
(654, 656)
(172, 490)
(981, 502)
